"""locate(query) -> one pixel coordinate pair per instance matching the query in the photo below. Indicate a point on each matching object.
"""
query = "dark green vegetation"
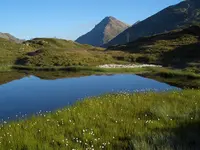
(106, 30)
(174, 17)
(179, 49)
(119, 121)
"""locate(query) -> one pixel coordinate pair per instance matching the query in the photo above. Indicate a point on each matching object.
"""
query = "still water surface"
(30, 95)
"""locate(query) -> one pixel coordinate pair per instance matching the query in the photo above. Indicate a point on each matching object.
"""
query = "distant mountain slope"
(179, 48)
(173, 17)
(10, 37)
(106, 30)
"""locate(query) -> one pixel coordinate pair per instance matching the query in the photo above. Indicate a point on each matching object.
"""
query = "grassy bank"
(180, 78)
(120, 121)
(81, 69)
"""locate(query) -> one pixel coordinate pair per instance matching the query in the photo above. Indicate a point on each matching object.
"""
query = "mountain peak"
(110, 18)
(103, 32)
(106, 21)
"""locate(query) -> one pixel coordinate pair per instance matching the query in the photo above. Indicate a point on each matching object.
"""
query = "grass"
(10, 51)
(6, 68)
(57, 52)
(168, 120)
(91, 69)
(52, 54)
(49, 52)
(157, 49)
(49, 57)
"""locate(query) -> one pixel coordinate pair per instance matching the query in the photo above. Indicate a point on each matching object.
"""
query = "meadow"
(115, 121)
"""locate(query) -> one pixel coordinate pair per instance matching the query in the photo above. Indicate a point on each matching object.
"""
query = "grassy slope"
(10, 51)
(57, 52)
(120, 121)
(47, 52)
(176, 48)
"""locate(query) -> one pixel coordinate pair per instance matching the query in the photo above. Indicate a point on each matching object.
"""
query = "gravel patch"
(128, 66)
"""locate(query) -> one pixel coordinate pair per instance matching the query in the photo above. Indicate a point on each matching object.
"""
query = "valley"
(117, 86)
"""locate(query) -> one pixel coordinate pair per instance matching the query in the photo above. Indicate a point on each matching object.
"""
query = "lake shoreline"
(180, 78)
(33, 88)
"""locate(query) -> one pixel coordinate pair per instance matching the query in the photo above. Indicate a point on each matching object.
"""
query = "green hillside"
(56, 43)
(58, 52)
(50, 52)
(10, 51)
(179, 48)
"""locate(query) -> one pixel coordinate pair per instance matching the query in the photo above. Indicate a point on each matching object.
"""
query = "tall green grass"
(167, 120)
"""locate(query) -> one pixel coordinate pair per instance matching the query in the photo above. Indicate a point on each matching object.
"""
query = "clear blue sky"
(70, 18)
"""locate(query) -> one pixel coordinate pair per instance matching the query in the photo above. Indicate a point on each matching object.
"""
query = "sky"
(70, 19)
